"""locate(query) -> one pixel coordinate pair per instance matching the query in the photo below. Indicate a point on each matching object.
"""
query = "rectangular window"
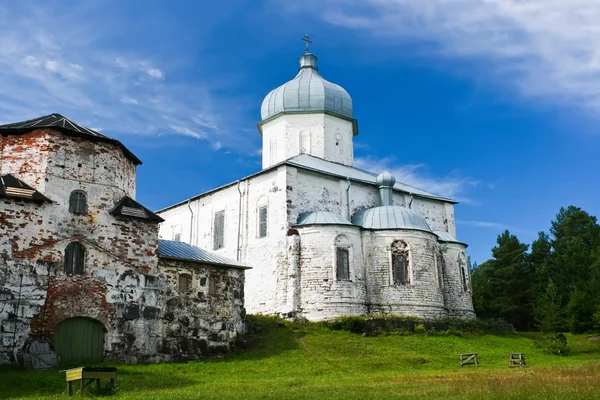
(399, 268)
(212, 286)
(343, 264)
(262, 221)
(219, 230)
(184, 283)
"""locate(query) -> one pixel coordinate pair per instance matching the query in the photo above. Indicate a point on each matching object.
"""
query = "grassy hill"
(299, 361)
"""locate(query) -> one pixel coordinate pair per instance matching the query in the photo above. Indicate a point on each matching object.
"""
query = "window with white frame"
(219, 230)
(400, 263)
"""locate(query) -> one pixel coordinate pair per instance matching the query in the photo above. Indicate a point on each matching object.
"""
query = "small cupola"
(385, 181)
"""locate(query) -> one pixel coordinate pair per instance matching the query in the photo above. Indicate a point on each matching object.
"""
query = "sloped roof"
(444, 236)
(127, 207)
(321, 218)
(390, 217)
(171, 249)
(13, 187)
(65, 125)
(344, 171)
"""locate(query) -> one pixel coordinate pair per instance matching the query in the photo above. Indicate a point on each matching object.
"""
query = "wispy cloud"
(547, 50)
(453, 185)
(493, 225)
(67, 64)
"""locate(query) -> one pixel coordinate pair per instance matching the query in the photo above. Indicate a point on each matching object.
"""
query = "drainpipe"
(348, 198)
(237, 255)
(14, 342)
(191, 219)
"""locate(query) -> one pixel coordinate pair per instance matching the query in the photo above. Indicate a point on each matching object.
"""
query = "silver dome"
(390, 217)
(321, 218)
(308, 91)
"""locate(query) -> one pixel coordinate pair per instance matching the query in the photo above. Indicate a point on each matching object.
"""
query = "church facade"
(82, 270)
(325, 239)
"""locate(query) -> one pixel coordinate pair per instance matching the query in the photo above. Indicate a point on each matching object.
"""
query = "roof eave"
(223, 265)
(273, 117)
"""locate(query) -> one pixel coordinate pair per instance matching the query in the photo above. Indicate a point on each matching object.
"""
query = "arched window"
(74, 258)
(400, 267)
(342, 258)
(78, 202)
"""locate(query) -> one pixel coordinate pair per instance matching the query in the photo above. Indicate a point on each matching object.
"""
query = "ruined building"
(81, 265)
(324, 238)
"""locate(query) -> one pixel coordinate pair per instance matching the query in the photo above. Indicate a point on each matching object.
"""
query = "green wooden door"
(79, 341)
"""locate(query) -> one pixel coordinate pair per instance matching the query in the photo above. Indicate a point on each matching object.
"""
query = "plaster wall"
(457, 292)
(317, 134)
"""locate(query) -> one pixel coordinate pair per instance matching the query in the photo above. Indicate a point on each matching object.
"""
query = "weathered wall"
(457, 292)
(266, 281)
(422, 296)
(322, 294)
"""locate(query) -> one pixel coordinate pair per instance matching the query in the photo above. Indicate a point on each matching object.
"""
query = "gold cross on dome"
(307, 40)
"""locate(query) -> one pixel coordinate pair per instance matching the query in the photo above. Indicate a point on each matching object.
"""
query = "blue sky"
(495, 103)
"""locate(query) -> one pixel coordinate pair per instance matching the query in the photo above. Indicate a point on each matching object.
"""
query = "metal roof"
(65, 125)
(321, 218)
(16, 188)
(308, 91)
(390, 217)
(444, 236)
(185, 252)
(127, 207)
(344, 171)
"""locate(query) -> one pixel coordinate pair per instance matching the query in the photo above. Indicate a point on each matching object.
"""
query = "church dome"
(390, 217)
(308, 91)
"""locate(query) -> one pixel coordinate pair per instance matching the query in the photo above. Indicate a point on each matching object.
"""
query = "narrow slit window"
(262, 221)
(343, 264)
(212, 286)
(219, 231)
(74, 258)
(78, 202)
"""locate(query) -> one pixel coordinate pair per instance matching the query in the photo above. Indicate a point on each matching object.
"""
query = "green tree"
(502, 286)
(549, 313)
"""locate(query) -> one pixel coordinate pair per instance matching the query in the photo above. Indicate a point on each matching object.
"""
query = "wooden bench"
(516, 360)
(90, 374)
(468, 358)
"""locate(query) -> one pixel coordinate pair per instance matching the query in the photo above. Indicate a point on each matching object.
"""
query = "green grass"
(311, 361)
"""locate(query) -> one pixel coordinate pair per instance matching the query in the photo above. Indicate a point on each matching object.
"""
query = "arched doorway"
(79, 340)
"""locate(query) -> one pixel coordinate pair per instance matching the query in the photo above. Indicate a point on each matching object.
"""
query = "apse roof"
(390, 217)
(16, 188)
(65, 125)
(171, 249)
(321, 218)
(127, 207)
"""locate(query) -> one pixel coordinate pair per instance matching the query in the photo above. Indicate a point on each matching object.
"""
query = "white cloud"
(67, 64)
(453, 186)
(542, 49)
(493, 225)
(156, 73)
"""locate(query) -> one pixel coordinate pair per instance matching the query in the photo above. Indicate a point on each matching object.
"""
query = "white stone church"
(325, 239)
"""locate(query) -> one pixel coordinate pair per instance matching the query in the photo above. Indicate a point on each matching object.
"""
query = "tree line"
(554, 286)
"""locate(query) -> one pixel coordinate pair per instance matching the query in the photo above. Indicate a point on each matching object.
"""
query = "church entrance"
(79, 341)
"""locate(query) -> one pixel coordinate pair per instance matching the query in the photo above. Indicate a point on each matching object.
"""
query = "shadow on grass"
(272, 337)
(16, 382)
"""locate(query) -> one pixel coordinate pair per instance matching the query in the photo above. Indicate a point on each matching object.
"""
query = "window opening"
(400, 272)
(262, 221)
(343, 264)
(219, 231)
(74, 258)
(78, 202)
(185, 284)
